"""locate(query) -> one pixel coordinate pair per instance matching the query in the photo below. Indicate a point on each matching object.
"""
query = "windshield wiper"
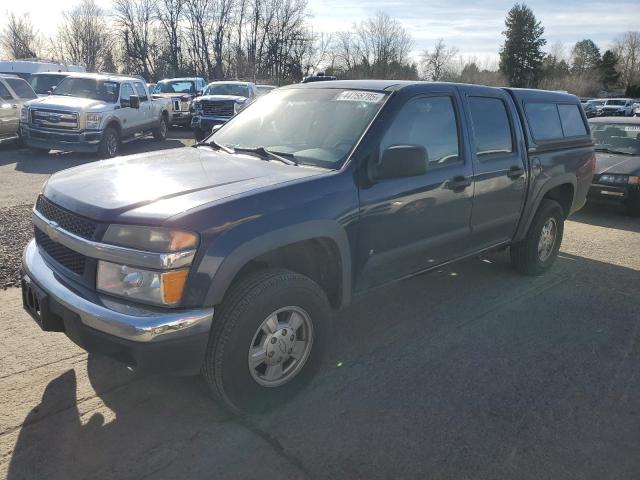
(615, 152)
(214, 144)
(267, 154)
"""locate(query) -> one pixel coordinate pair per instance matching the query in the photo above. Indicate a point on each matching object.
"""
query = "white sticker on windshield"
(631, 128)
(359, 96)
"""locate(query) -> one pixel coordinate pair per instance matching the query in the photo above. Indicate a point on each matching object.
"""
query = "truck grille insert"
(54, 119)
(218, 108)
(66, 257)
(83, 227)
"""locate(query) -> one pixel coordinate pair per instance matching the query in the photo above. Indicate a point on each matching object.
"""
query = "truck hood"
(621, 164)
(71, 104)
(152, 187)
(235, 98)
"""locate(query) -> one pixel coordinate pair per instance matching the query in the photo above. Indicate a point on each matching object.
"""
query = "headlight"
(633, 180)
(24, 114)
(93, 121)
(239, 106)
(161, 288)
(616, 179)
(151, 239)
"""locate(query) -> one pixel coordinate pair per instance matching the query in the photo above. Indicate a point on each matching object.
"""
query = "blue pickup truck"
(228, 258)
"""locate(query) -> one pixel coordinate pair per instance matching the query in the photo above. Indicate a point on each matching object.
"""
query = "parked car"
(92, 112)
(45, 82)
(181, 92)
(591, 107)
(264, 89)
(14, 92)
(319, 77)
(219, 102)
(636, 109)
(617, 175)
(227, 258)
(615, 107)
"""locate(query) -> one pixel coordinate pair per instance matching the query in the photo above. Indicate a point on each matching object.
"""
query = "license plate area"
(36, 302)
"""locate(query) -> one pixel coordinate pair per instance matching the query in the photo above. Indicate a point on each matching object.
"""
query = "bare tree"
(627, 48)
(438, 63)
(135, 22)
(19, 39)
(170, 14)
(83, 36)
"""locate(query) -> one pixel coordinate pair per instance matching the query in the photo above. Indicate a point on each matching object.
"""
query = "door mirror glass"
(134, 101)
(403, 161)
(199, 93)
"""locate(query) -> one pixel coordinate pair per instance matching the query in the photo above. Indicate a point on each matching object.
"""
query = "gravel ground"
(14, 235)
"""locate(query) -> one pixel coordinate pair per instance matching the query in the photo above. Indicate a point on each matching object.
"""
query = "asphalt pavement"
(470, 372)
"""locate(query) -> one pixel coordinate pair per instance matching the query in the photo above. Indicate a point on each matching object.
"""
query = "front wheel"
(160, 132)
(536, 253)
(110, 144)
(267, 340)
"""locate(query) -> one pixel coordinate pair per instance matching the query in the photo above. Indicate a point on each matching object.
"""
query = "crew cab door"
(129, 116)
(408, 224)
(147, 118)
(500, 166)
(9, 113)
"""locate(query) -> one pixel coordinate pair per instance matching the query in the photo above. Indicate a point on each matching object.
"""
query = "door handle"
(458, 183)
(515, 172)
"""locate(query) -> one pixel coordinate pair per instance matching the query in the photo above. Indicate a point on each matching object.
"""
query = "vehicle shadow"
(453, 382)
(608, 215)
(29, 161)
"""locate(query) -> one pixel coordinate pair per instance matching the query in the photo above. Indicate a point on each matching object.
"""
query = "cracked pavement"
(469, 372)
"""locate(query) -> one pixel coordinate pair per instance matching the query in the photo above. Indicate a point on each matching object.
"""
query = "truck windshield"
(21, 87)
(42, 84)
(104, 90)
(227, 89)
(313, 126)
(175, 87)
(616, 137)
(615, 102)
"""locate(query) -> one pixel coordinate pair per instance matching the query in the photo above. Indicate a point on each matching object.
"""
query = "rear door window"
(544, 121)
(571, 120)
(4, 93)
(140, 91)
(491, 126)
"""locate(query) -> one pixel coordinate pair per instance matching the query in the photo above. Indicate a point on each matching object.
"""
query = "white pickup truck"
(94, 113)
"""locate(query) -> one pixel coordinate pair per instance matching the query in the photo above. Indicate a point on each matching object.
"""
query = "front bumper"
(181, 118)
(621, 193)
(169, 341)
(207, 123)
(83, 141)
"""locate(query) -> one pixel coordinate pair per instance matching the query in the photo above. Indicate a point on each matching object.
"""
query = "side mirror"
(216, 127)
(134, 101)
(199, 93)
(403, 161)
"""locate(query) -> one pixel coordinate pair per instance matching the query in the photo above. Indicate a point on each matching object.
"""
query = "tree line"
(274, 41)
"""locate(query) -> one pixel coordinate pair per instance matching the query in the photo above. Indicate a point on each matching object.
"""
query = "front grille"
(66, 257)
(218, 108)
(176, 105)
(56, 119)
(83, 227)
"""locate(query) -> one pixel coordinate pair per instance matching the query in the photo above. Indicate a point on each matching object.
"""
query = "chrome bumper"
(113, 317)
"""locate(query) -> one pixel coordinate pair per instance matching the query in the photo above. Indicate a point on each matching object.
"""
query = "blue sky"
(473, 26)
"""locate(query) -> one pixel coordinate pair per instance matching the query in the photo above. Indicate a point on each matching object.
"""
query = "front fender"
(219, 266)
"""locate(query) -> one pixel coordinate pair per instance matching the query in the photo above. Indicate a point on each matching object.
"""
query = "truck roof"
(179, 79)
(114, 77)
(393, 85)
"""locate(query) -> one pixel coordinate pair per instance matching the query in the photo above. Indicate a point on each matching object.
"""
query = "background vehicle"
(181, 91)
(264, 89)
(44, 83)
(219, 102)
(24, 68)
(319, 77)
(590, 107)
(14, 92)
(636, 109)
(614, 107)
(309, 196)
(94, 113)
(617, 175)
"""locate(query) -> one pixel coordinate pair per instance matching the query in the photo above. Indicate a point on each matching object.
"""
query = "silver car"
(14, 92)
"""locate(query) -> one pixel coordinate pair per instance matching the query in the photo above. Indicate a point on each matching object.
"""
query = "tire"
(160, 132)
(199, 134)
(110, 144)
(526, 256)
(237, 329)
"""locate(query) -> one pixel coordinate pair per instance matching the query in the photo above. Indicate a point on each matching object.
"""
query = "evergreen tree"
(608, 68)
(585, 57)
(521, 55)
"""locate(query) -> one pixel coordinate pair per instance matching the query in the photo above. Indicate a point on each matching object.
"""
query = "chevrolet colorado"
(228, 258)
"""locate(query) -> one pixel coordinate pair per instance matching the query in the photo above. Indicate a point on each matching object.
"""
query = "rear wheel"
(110, 144)
(536, 253)
(267, 341)
(160, 132)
